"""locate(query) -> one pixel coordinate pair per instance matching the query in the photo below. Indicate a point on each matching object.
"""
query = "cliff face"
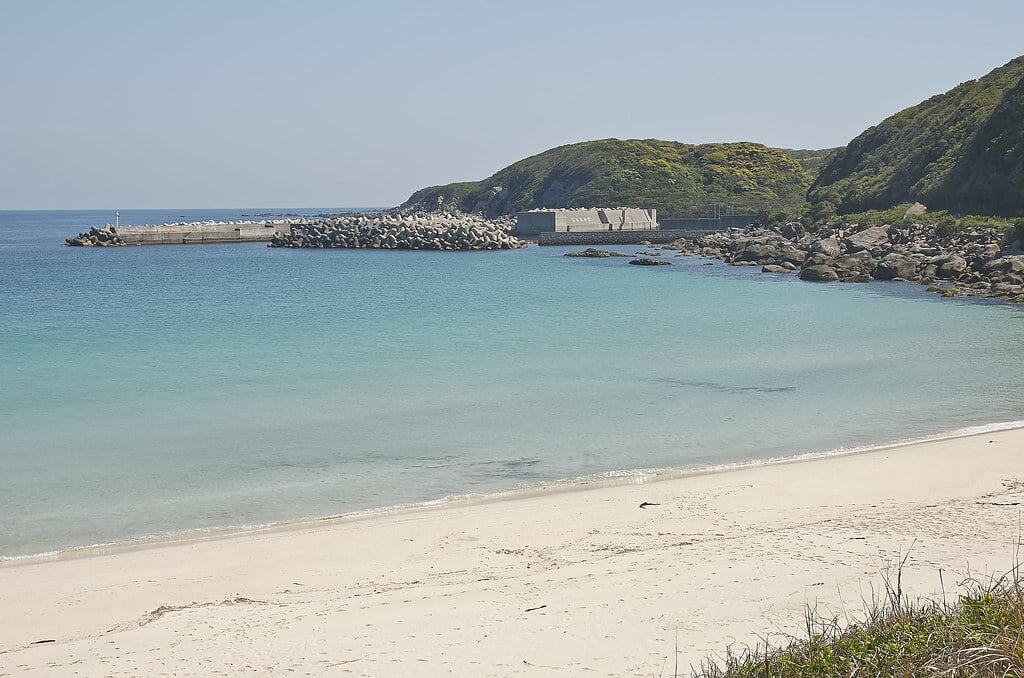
(676, 179)
(962, 151)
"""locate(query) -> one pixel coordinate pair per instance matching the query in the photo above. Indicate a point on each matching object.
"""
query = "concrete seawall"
(183, 233)
(710, 224)
(200, 233)
(616, 237)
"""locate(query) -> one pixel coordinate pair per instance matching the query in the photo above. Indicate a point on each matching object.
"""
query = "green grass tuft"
(981, 634)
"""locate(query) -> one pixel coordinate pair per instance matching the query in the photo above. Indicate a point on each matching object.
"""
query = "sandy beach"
(567, 581)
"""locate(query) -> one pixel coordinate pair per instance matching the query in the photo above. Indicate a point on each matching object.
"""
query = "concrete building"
(530, 224)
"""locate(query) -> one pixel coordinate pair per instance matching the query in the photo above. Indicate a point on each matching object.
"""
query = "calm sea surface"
(155, 390)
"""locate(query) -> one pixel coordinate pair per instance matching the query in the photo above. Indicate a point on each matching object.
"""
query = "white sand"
(580, 582)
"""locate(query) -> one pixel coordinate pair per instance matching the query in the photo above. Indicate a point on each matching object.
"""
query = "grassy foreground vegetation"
(980, 634)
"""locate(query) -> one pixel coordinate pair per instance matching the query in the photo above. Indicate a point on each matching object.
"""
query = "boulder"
(895, 265)
(1008, 264)
(790, 255)
(772, 268)
(827, 246)
(953, 267)
(793, 230)
(915, 210)
(855, 267)
(816, 259)
(756, 252)
(650, 262)
(819, 274)
(589, 252)
(868, 239)
(982, 253)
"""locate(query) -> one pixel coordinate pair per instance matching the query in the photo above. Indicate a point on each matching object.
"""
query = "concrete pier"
(185, 233)
(202, 233)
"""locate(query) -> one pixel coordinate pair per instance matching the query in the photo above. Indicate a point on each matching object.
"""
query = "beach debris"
(533, 609)
(43, 642)
(645, 504)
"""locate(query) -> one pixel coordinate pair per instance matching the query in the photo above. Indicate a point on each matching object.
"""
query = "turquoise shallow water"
(148, 391)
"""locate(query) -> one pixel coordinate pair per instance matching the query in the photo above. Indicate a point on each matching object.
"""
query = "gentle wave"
(605, 478)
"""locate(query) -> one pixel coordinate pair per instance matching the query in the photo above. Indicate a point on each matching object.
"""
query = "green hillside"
(675, 178)
(961, 151)
(811, 160)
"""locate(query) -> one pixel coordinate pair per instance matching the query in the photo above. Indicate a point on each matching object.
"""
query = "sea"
(153, 393)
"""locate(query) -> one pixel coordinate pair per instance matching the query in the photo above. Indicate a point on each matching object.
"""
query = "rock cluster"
(438, 231)
(96, 237)
(650, 262)
(975, 262)
(596, 253)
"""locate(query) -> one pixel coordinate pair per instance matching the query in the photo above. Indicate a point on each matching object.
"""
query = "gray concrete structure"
(203, 232)
(531, 224)
(710, 224)
(616, 237)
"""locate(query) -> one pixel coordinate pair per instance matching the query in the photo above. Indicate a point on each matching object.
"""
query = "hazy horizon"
(135, 106)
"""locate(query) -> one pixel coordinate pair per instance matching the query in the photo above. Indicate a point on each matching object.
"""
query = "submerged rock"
(596, 253)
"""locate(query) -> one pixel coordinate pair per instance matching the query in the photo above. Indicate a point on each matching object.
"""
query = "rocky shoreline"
(415, 231)
(978, 262)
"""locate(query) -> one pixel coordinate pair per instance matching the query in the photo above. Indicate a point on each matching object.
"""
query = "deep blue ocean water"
(147, 391)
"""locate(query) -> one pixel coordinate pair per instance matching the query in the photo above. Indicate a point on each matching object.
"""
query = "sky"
(317, 103)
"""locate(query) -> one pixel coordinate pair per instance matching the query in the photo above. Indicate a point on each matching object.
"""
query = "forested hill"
(675, 178)
(961, 151)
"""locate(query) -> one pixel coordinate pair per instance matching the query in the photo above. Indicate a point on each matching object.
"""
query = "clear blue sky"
(326, 104)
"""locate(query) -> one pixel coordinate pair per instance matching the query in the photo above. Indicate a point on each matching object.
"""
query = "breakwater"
(440, 231)
(183, 233)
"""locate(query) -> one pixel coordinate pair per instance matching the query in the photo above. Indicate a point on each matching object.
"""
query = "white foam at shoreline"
(625, 476)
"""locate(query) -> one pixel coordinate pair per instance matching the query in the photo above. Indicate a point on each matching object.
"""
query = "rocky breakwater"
(981, 261)
(96, 237)
(395, 231)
